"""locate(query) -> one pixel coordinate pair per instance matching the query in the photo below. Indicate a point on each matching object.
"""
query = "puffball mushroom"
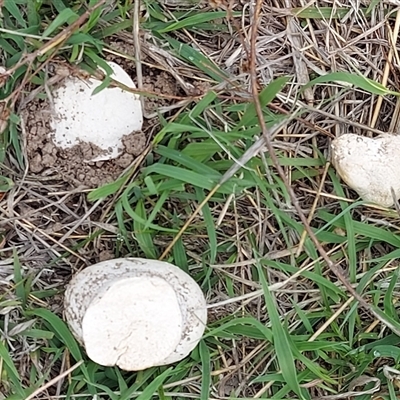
(101, 119)
(135, 313)
(370, 166)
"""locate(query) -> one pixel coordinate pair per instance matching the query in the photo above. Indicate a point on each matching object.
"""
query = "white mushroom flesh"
(102, 119)
(370, 166)
(141, 317)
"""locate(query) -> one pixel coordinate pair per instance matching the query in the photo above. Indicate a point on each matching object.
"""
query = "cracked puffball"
(102, 119)
(370, 166)
(135, 313)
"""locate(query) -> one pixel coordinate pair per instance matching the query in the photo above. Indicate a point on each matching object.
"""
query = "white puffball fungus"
(101, 119)
(135, 313)
(370, 166)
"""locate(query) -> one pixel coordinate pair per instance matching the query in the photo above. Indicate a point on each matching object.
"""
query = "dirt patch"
(159, 82)
(72, 165)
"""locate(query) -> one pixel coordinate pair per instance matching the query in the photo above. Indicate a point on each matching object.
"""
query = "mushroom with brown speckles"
(135, 313)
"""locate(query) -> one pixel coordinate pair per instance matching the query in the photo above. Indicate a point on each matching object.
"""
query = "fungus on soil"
(370, 166)
(87, 139)
(135, 313)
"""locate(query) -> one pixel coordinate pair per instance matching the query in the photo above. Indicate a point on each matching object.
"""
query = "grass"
(281, 325)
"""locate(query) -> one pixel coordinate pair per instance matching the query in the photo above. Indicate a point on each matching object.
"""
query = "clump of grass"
(281, 325)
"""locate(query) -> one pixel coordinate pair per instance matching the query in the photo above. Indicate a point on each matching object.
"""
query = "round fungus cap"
(370, 166)
(135, 313)
(102, 119)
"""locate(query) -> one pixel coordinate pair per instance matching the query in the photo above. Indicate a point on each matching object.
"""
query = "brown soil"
(159, 82)
(72, 164)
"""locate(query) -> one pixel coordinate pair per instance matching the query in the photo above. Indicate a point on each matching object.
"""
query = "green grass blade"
(60, 328)
(66, 16)
(361, 228)
(389, 296)
(152, 387)
(12, 372)
(324, 12)
(94, 17)
(203, 181)
(33, 17)
(199, 60)
(193, 20)
(371, 6)
(187, 162)
(358, 81)
(107, 189)
(143, 236)
(204, 104)
(205, 371)
(180, 256)
(128, 209)
(210, 226)
(12, 8)
(248, 326)
(59, 5)
(156, 209)
(281, 341)
(266, 96)
(389, 321)
(348, 220)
